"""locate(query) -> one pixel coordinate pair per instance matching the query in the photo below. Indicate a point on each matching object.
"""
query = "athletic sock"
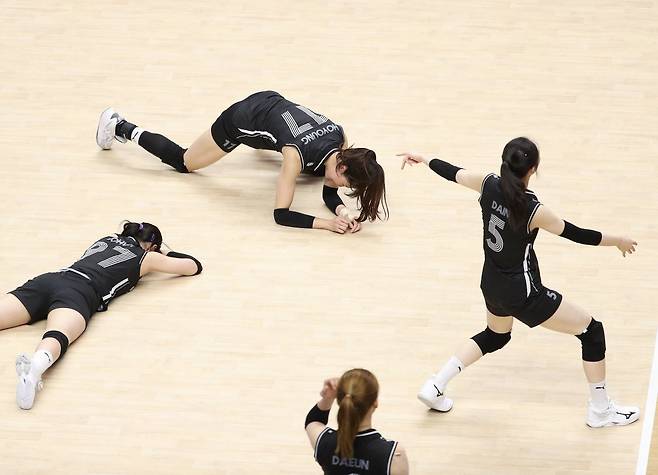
(451, 369)
(41, 361)
(599, 395)
(124, 129)
(169, 152)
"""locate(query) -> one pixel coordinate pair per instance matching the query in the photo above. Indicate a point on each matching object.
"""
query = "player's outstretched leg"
(496, 335)
(64, 326)
(602, 411)
(201, 153)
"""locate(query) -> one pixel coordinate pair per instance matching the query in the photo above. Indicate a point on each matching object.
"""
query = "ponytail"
(519, 157)
(357, 393)
(348, 425)
(144, 232)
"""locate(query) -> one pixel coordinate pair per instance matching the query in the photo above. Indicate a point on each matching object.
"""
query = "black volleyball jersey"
(510, 267)
(373, 454)
(112, 265)
(284, 123)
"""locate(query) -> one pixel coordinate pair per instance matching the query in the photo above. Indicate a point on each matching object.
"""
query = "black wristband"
(285, 217)
(331, 198)
(445, 169)
(316, 415)
(581, 236)
(180, 255)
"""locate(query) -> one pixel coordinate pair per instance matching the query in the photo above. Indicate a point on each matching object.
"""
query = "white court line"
(649, 415)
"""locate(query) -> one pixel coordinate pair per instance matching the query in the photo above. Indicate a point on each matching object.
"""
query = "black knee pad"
(490, 341)
(60, 337)
(593, 342)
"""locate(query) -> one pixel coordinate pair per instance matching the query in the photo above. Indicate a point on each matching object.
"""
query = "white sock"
(451, 369)
(41, 361)
(599, 395)
(134, 136)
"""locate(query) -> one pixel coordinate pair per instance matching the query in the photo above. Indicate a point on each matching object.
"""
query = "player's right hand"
(411, 159)
(329, 389)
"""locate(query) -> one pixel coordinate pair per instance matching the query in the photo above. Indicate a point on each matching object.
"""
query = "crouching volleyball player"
(68, 298)
(310, 144)
(355, 448)
(511, 283)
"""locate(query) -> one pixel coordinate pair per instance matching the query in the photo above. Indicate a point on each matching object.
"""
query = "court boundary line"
(649, 416)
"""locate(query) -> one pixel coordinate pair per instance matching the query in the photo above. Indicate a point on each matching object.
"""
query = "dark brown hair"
(145, 232)
(357, 393)
(519, 157)
(366, 178)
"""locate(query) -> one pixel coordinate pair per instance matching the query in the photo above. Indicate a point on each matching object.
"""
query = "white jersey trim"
(390, 458)
(532, 215)
(317, 442)
(114, 289)
(324, 158)
(256, 133)
(68, 269)
(484, 180)
(526, 272)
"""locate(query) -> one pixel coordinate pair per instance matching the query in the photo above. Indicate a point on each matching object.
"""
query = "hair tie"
(141, 226)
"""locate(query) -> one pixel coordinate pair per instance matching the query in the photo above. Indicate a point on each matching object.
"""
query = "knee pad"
(60, 337)
(490, 341)
(593, 342)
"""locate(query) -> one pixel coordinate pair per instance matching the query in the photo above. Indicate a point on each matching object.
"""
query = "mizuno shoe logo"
(438, 393)
(599, 387)
(627, 416)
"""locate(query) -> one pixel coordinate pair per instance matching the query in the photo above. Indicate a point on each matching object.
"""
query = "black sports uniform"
(109, 268)
(266, 120)
(511, 283)
(373, 454)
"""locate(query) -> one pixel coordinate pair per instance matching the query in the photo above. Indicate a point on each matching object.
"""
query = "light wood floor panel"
(215, 374)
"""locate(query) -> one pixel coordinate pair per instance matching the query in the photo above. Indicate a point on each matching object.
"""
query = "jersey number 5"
(495, 223)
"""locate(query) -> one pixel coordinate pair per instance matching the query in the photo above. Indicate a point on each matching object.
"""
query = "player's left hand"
(355, 226)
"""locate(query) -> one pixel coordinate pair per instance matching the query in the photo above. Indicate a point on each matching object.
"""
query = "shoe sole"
(611, 424)
(429, 404)
(106, 115)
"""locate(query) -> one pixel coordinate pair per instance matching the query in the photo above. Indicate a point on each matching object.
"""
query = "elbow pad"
(316, 415)
(285, 217)
(180, 255)
(445, 169)
(331, 198)
(581, 236)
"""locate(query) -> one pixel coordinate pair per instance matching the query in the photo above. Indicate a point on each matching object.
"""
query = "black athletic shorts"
(62, 289)
(537, 308)
(248, 115)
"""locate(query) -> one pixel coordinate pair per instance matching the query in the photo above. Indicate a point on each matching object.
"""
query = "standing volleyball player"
(355, 448)
(511, 284)
(309, 142)
(68, 298)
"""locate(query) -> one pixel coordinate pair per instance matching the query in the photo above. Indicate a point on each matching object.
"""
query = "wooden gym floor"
(215, 374)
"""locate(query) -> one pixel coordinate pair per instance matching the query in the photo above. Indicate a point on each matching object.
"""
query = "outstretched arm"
(171, 263)
(469, 179)
(285, 191)
(547, 220)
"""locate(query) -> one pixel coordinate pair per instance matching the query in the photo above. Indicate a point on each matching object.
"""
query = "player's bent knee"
(490, 341)
(60, 337)
(593, 342)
